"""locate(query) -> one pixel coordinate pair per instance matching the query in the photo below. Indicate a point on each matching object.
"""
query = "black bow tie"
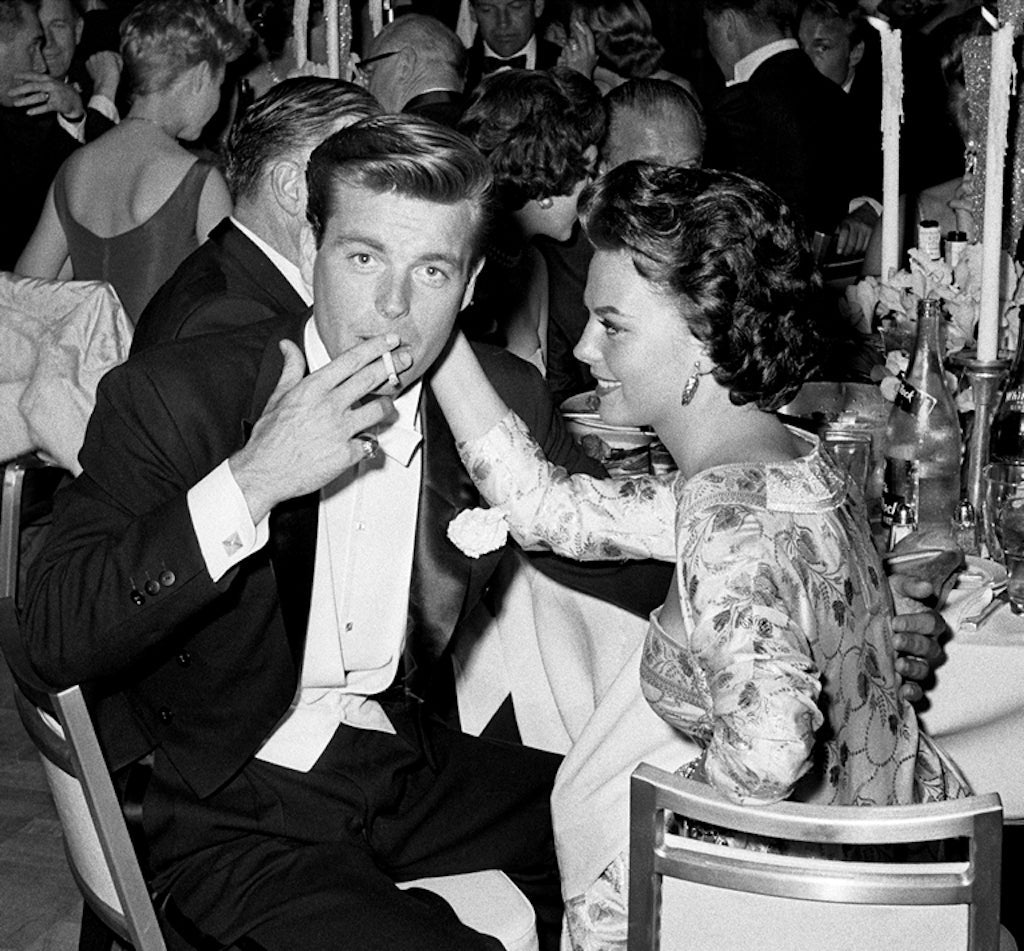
(492, 63)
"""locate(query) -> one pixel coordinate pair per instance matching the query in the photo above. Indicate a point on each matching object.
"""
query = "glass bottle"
(922, 435)
(1006, 439)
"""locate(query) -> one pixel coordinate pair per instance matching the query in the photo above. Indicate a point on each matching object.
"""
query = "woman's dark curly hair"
(624, 37)
(734, 256)
(535, 128)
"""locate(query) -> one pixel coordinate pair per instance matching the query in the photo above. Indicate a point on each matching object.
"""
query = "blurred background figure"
(129, 207)
(621, 44)
(540, 132)
(32, 143)
(417, 65)
(506, 38)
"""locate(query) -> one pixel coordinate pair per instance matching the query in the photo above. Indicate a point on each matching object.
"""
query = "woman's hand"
(579, 52)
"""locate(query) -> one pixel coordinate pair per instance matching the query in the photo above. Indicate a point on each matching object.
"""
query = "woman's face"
(636, 344)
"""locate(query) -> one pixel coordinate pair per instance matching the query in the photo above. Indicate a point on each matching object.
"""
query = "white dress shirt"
(530, 50)
(289, 271)
(744, 69)
(360, 597)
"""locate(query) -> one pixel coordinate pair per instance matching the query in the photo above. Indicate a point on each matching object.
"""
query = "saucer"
(981, 572)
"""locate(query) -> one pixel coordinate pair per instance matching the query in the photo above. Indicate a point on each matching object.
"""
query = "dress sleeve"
(578, 516)
(753, 626)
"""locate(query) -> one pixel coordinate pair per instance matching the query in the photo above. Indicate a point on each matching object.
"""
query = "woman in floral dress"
(773, 650)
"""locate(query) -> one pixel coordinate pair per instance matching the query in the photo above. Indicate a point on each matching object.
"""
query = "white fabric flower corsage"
(478, 531)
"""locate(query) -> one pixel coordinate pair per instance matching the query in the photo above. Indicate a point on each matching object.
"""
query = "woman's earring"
(545, 202)
(690, 386)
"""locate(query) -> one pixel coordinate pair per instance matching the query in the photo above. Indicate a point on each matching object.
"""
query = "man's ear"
(79, 29)
(288, 186)
(467, 295)
(590, 154)
(307, 253)
(856, 54)
(538, 9)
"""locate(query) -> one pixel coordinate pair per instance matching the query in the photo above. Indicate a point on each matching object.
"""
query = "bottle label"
(901, 476)
(1014, 399)
(912, 400)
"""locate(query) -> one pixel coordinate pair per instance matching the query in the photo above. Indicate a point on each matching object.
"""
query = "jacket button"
(167, 577)
(152, 587)
(185, 659)
(165, 715)
(137, 596)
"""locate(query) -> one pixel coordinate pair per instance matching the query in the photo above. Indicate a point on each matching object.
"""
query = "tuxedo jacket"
(790, 127)
(225, 284)
(547, 56)
(121, 598)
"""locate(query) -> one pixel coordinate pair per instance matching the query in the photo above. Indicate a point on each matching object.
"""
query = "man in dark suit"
(507, 38)
(417, 65)
(253, 575)
(248, 269)
(779, 120)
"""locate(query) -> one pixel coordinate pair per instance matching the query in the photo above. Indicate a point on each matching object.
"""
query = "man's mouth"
(604, 387)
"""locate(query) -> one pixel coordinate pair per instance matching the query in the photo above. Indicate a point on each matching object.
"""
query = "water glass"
(1004, 524)
(850, 447)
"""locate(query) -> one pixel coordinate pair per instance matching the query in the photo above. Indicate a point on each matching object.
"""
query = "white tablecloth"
(976, 709)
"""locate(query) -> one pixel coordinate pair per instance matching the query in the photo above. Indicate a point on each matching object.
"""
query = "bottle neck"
(927, 355)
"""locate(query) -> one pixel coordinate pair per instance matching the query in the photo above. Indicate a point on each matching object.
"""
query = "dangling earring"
(690, 386)
(545, 202)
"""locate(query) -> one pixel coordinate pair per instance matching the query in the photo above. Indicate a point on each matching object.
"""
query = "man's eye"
(361, 258)
(434, 274)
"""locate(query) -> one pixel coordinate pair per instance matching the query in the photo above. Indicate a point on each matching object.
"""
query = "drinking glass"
(1004, 524)
(850, 446)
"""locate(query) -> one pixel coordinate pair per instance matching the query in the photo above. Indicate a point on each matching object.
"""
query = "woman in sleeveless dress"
(130, 206)
(773, 652)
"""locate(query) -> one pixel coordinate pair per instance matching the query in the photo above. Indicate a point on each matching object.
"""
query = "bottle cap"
(964, 514)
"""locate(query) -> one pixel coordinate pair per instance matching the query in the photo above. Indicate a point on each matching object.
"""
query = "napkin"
(966, 602)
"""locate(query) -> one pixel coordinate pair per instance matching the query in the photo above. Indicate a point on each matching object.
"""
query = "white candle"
(333, 54)
(1000, 84)
(892, 115)
(300, 30)
(376, 16)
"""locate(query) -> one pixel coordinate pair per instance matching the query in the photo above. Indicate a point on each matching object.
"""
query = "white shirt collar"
(399, 439)
(530, 50)
(744, 69)
(289, 271)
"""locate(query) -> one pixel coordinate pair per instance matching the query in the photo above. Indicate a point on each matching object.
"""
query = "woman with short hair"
(130, 206)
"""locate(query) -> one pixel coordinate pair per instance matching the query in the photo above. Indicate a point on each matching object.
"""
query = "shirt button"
(166, 715)
(185, 659)
(348, 626)
(167, 577)
(360, 526)
(136, 595)
(152, 587)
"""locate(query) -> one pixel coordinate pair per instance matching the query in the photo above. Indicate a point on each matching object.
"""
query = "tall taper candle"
(333, 53)
(1000, 83)
(892, 115)
(300, 29)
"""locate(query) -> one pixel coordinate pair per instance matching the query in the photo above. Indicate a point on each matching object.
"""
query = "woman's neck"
(728, 435)
(150, 112)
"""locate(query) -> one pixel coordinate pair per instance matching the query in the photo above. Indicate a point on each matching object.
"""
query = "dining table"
(975, 710)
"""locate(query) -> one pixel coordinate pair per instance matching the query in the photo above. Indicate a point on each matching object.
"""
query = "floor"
(39, 904)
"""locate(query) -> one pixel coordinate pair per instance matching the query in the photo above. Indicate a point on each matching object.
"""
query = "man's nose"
(504, 18)
(393, 297)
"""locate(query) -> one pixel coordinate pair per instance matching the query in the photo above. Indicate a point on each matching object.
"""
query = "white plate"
(980, 572)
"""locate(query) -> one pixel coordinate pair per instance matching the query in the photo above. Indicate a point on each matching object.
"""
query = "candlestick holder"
(985, 376)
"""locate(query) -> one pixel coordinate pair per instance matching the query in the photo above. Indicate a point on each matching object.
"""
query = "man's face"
(62, 29)
(391, 264)
(506, 25)
(827, 43)
(21, 51)
(675, 140)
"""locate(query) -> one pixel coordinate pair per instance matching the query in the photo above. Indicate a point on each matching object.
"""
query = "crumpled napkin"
(964, 603)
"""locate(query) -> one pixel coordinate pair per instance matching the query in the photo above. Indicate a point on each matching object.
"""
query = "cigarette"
(389, 365)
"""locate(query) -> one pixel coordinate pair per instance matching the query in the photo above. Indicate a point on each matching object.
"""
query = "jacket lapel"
(293, 524)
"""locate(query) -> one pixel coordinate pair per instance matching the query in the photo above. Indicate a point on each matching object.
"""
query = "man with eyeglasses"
(507, 38)
(417, 65)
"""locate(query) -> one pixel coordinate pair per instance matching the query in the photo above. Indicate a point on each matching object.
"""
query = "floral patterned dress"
(785, 671)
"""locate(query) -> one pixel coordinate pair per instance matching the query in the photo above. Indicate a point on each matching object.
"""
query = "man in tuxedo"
(253, 576)
(417, 65)
(32, 143)
(780, 121)
(507, 38)
(248, 269)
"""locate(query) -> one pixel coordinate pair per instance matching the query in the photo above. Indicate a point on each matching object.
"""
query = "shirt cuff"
(75, 129)
(104, 107)
(222, 522)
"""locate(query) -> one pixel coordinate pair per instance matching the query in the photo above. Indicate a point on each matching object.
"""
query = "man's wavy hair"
(624, 37)
(404, 155)
(289, 120)
(535, 128)
(734, 257)
(160, 39)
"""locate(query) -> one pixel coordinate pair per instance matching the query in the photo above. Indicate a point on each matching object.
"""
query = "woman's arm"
(214, 205)
(46, 254)
(577, 516)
